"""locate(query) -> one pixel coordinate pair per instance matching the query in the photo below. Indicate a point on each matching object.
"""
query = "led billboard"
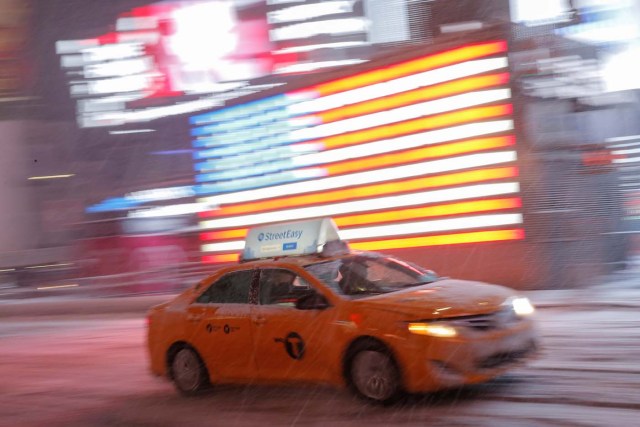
(166, 53)
(413, 154)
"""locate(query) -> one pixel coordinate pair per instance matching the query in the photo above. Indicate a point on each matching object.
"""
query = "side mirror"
(312, 301)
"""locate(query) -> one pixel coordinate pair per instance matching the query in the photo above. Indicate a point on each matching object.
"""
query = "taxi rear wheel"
(374, 375)
(188, 372)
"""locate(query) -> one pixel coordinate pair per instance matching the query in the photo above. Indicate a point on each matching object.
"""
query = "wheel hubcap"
(374, 375)
(186, 370)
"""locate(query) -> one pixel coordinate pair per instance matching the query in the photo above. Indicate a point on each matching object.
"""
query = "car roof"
(304, 260)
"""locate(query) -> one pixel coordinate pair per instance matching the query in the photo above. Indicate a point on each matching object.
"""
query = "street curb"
(80, 306)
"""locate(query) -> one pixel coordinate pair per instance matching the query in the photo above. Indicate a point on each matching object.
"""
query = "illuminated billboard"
(174, 51)
(588, 21)
(414, 154)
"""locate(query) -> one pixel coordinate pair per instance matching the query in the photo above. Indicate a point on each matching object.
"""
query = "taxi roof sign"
(293, 238)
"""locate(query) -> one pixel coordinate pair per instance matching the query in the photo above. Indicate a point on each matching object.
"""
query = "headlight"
(522, 306)
(433, 329)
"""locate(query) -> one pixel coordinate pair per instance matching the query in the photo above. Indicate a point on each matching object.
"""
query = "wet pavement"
(90, 368)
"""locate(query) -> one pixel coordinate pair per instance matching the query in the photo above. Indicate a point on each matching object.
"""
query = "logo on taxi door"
(293, 345)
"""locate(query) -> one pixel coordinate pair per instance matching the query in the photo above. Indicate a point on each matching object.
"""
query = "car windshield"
(364, 275)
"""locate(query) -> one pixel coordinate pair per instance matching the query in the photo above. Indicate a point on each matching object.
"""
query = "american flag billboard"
(412, 154)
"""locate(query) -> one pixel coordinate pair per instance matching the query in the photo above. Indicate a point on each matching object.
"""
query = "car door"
(219, 323)
(290, 343)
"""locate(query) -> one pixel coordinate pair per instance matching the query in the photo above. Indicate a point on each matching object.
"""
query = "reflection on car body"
(374, 323)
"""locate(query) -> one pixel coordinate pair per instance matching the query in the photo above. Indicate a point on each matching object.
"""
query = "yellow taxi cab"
(301, 306)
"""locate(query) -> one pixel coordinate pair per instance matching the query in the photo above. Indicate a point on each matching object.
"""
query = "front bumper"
(472, 357)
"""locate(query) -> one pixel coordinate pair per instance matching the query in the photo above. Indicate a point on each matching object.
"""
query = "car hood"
(441, 299)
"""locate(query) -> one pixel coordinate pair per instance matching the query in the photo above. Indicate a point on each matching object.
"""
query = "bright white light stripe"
(247, 170)
(158, 194)
(125, 132)
(239, 111)
(262, 181)
(413, 228)
(413, 199)
(623, 138)
(158, 112)
(34, 178)
(401, 114)
(235, 245)
(624, 152)
(110, 52)
(259, 117)
(629, 144)
(172, 210)
(311, 66)
(461, 223)
(66, 264)
(75, 46)
(368, 177)
(274, 153)
(404, 142)
(310, 47)
(315, 28)
(309, 11)
(243, 148)
(461, 26)
(402, 84)
(42, 288)
(16, 98)
(122, 67)
(627, 160)
(137, 82)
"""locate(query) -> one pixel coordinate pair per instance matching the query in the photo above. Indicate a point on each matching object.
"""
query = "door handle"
(194, 317)
(260, 320)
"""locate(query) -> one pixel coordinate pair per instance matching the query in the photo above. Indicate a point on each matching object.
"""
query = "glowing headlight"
(522, 306)
(433, 329)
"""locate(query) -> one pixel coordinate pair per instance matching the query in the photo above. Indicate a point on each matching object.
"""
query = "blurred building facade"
(121, 146)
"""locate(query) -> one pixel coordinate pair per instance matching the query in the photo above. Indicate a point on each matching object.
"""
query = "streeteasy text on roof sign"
(296, 238)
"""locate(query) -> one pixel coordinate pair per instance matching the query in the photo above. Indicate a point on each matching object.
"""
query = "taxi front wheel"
(374, 375)
(188, 372)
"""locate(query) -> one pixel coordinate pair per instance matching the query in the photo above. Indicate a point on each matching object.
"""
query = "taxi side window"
(282, 287)
(232, 288)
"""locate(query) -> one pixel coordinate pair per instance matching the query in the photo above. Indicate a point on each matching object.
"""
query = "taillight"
(148, 321)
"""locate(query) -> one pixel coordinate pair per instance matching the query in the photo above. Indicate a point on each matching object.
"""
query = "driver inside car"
(353, 277)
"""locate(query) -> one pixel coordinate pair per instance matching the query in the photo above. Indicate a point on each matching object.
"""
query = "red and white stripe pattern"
(415, 154)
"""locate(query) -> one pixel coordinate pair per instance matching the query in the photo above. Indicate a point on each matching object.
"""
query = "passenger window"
(232, 288)
(282, 287)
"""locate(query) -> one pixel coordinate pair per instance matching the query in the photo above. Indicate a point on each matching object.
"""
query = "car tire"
(188, 372)
(374, 375)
